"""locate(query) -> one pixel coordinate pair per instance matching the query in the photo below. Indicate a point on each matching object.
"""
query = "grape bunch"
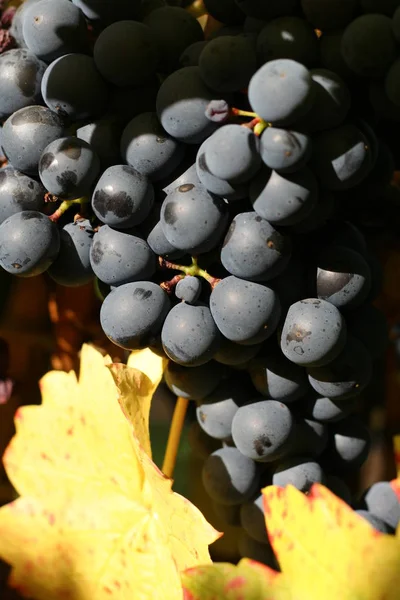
(218, 191)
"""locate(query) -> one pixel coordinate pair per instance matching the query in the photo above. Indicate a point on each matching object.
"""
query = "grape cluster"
(215, 189)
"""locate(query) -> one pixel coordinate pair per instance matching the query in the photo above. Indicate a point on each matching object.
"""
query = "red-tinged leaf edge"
(215, 581)
(395, 484)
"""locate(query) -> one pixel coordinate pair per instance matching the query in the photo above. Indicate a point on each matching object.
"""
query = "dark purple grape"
(21, 75)
(72, 266)
(68, 167)
(123, 197)
(25, 135)
(29, 243)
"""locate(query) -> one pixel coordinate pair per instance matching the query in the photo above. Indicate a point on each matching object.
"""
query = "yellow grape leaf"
(249, 580)
(136, 388)
(325, 550)
(95, 519)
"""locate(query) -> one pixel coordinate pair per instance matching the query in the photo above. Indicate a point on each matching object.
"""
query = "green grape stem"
(193, 270)
(66, 205)
(257, 124)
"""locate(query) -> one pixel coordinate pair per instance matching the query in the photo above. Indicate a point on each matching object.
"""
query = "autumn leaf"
(249, 580)
(324, 549)
(95, 519)
(136, 407)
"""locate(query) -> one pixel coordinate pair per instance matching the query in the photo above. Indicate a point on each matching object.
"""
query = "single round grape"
(262, 553)
(277, 378)
(25, 135)
(288, 37)
(103, 135)
(281, 91)
(342, 277)
(369, 325)
(245, 312)
(263, 430)
(188, 289)
(230, 353)
(332, 101)
(29, 243)
(195, 383)
(253, 249)
(284, 199)
(123, 197)
(229, 477)
(368, 45)
(285, 150)
(125, 53)
(174, 29)
(232, 153)
(328, 410)
(314, 333)
(215, 185)
(21, 75)
(328, 14)
(252, 519)
(346, 376)
(341, 157)
(52, 29)
(227, 63)
(132, 315)
(192, 219)
(382, 501)
(68, 167)
(72, 266)
(215, 412)
(121, 257)
(189, 335)
(19, 192)
(182, 101)
(147, 147)
(349, 445)
(373, 520)
(300, 472)
(62, 94)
